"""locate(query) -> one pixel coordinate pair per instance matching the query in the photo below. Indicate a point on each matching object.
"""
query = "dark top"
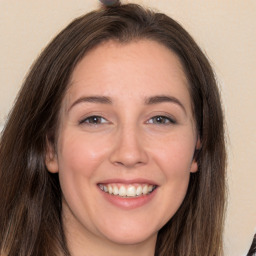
(252, 251)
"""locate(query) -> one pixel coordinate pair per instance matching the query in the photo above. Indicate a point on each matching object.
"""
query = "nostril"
(128, 164)
(118, 163)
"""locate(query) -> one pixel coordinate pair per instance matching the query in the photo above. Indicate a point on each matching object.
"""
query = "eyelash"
(159, 120)
(90, 120)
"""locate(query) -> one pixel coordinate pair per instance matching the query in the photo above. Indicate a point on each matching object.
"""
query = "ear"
(51, 160)
(194, 164)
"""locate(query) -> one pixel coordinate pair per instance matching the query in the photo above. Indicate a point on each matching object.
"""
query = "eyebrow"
(148, 101)
(162, 99)
(92, 99)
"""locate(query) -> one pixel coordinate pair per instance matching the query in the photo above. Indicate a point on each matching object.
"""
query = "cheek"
(80, 155)
(175, 155)
(79, 159)
(174, 159)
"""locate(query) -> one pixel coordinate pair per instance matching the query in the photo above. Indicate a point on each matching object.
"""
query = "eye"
(93, 120)
(161, 120)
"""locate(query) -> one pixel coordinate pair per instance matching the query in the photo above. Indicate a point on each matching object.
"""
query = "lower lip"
(129, 202)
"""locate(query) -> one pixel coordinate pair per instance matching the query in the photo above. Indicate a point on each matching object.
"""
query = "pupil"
(95, 120)
(159, 119)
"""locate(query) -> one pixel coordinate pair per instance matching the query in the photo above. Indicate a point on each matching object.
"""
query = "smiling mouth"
(127, 191)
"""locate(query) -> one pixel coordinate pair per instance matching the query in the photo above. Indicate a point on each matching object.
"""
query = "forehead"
(136, 68)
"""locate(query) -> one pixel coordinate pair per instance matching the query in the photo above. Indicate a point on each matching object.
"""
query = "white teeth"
(131, 191)
(110, 190)
(145, 190)
(139, 190)
(115, 190)
(127, 190)
(122, 191)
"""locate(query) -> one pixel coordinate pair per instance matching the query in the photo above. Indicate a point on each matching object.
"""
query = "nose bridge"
(129, 149)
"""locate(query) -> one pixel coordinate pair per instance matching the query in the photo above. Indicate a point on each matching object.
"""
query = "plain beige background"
(225, 30)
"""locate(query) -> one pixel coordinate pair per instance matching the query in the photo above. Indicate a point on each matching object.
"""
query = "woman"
(115, 144)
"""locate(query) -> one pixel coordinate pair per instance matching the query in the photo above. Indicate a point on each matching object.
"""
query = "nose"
(129, 150)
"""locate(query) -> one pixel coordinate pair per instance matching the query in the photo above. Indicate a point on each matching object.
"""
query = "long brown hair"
(30, 196)
(252, 250)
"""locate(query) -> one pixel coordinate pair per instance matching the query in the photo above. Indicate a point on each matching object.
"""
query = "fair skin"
(126, 127)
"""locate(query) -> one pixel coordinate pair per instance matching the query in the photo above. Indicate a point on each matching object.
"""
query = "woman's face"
(126, 143)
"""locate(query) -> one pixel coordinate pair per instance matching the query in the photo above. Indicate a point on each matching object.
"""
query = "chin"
(130, 236)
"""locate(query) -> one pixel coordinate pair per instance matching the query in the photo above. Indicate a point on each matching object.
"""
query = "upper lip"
(128, 181)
